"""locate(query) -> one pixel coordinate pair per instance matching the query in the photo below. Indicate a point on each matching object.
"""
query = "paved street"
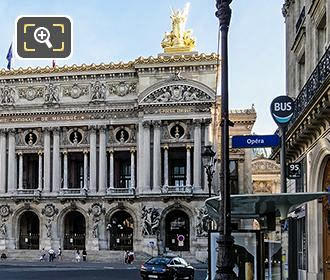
(73, 271)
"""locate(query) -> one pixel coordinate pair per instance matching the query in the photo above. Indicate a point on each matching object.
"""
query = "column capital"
(146, 124)
(92, 128)
(133, 150)
(56, 130)
(188, 146)
(40, 153)
(208, 121)
(197, 122)
(156, 124)
(11, 131)
(20, 153)
(111, 151)
(102, 128)
(46, 129)
(65, 152)
(85, 151)
(2, 131)
(165, 147)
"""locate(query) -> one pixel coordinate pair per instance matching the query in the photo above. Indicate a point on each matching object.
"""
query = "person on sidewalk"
(77, 256)
(42, 255)
(59, 254)
(84, 254)
(51, 254)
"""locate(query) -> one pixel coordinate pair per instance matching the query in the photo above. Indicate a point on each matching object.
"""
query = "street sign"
(281, 109)
(255, 141)
(294, 170)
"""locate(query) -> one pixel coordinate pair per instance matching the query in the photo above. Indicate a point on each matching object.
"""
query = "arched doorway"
(177, 231)
(29, 231)
(121, 231)
(326, 222)
(74, 231)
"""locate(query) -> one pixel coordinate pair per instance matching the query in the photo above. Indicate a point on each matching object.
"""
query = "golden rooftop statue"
(178, 40)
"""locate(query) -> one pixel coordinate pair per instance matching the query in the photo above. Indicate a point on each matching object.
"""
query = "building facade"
(308, 137)
(108, 157)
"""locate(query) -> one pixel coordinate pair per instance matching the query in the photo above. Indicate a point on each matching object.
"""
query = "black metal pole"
(283, 161)
(225, 262)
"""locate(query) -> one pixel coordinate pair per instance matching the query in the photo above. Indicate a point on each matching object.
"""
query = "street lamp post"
(225, 262)
(208, 163)
(209, 160)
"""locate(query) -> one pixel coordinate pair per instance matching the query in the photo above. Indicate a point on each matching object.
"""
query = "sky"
(112, 31)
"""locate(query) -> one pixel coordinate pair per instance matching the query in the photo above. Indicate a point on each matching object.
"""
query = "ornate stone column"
(197, 154)
(188, 163)
(102, 160)
(140, 158)
(166, 166)
(146, 162)
(133, 168)
(92, 159)
(20, 170)
(3, 161)
(56, 159)
(85, 169)
(157, 157)
(12, 174)
(111, 170)
(40, 171)
(46, 160)
(65, 170)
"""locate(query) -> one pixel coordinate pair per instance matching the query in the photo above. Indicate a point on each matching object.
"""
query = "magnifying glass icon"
(41, 35)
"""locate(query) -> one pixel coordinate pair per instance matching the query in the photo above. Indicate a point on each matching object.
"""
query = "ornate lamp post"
(225, 262)
(209, 164)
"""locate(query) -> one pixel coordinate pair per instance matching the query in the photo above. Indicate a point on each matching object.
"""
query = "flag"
(53, 63)
(9, 56)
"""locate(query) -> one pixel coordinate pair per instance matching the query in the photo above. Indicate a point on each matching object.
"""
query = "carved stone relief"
(7, 96)
(98, 91)
(122, 88)
(176, 93)
(30, 93)
(49, 210)
(202, 222)
(150, 220)
(75, 91)
(51, 95)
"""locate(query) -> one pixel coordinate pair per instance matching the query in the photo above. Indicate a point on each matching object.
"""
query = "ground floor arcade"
(147, 227)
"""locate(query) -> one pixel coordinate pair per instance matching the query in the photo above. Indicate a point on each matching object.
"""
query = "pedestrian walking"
(42, 255)
(59, 254)
(77, 256)
(51, 254)
(84, 254)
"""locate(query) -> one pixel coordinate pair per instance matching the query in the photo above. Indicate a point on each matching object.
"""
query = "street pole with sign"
(281, 109)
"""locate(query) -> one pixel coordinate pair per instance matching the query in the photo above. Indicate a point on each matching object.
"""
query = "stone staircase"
(69, 256)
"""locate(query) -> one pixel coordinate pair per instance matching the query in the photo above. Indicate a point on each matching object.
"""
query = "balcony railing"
(177, 189)
(28, 191)
(73, 191)
(120, 191)
(310, 91)
(300, 19)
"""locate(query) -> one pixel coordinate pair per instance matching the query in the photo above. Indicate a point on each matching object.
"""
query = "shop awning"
(248, 206)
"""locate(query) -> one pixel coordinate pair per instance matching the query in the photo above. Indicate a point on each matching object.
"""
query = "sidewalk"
(72, 264)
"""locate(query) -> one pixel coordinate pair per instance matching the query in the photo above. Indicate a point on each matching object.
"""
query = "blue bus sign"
(255, 141)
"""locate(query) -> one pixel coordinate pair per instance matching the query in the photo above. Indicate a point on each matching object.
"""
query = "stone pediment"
(177, 90)
(263, 165)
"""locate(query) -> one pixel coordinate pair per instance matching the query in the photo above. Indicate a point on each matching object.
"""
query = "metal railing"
(177, 189)
(310, 91)
(120, 191)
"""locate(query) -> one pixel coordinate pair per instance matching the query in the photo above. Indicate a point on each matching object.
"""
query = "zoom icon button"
(43, 37)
